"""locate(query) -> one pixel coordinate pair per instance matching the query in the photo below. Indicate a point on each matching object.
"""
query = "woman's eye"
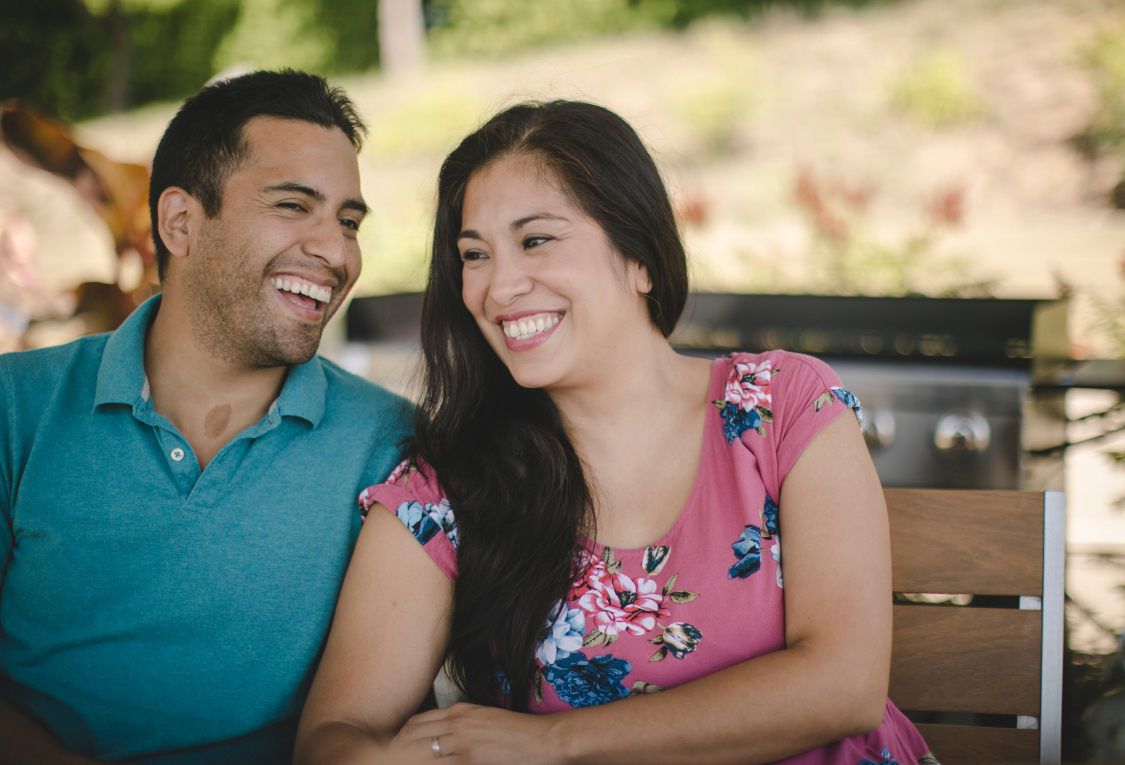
(535, 241)
(472, 255)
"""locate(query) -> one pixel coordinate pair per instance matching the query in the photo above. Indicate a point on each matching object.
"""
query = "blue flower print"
(737, 421)
(887, 759)
(848, 399)
(442, 514)
(424, 522)
(566, 628)
(769, 518)
(421, 525)
(748, 550)
(502, 682)
(583, 682)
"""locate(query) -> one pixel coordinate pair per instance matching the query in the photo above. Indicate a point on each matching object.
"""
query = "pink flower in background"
(749, 385)
(619, 603)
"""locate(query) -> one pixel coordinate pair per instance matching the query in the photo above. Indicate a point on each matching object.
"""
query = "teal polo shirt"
(153, 612)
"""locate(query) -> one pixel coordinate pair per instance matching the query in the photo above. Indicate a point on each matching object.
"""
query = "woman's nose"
(509, 279)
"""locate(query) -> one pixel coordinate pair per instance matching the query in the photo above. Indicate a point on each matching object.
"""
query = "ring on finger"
(436, 746)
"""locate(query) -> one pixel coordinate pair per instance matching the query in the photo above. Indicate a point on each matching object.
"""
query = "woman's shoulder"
(412, 480)
(779, 393)
(771, 365)
(413, 494)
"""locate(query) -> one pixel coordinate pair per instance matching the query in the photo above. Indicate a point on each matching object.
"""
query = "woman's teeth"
(298, 287)
(530, 326)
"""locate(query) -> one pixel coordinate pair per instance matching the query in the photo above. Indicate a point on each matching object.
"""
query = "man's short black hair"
(205, 141)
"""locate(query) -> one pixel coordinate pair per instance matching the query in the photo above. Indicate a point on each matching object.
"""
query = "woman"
(597, 513)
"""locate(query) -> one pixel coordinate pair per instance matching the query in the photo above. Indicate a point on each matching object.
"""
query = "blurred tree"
(402, 35)
(79, 58)
(173, 46)
(56, 54)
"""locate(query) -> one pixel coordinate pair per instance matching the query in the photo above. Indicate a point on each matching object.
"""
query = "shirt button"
(177, 454)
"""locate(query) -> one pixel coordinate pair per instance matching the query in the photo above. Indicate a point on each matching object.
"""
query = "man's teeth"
(298, 287)
(530, 326)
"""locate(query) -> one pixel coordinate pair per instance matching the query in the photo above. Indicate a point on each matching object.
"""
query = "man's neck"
(208, 399)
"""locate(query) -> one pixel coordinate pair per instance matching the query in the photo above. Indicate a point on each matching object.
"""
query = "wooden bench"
(997, 661)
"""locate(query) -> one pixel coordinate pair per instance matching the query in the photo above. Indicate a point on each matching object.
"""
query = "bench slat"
(965, 745)
(939, 543)
(956, 659)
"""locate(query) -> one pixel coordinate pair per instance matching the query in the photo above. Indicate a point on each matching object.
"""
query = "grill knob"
(960, 433)
(878, 428)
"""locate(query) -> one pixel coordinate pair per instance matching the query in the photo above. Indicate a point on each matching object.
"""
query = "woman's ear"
(178, 213)
(641, 281)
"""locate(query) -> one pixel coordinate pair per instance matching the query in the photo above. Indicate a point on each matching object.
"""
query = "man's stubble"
(222, 290)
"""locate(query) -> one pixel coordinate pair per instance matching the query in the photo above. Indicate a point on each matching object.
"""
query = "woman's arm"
(830, 681)
(386, 645)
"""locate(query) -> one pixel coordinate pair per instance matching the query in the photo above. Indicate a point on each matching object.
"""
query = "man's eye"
(291, 206)
(349, 223)
(535, 241)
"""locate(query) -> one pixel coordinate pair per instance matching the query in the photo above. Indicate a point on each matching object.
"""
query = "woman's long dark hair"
(499, 450)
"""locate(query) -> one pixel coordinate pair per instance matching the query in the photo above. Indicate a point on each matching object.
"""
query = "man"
(178, 498)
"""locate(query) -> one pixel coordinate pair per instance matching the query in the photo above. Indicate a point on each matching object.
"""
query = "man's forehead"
(293, 151)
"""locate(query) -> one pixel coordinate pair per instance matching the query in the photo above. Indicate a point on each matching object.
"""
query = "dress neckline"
(710, 423)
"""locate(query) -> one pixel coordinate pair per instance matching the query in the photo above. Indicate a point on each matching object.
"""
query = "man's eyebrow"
(520, 223)
(355, 204)
(299, 188)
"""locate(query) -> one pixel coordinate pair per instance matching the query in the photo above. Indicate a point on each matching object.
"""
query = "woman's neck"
(632, 395)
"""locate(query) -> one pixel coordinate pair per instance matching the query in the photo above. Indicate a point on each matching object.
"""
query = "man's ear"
(178, 216)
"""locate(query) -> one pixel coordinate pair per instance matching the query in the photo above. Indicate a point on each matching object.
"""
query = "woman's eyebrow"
(521, 222)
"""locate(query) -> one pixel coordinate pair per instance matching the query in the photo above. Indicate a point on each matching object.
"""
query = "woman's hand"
(473, 735)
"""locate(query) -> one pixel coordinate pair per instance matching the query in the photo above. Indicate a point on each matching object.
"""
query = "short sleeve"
(775, 404)
(412, 493)
(807, 397)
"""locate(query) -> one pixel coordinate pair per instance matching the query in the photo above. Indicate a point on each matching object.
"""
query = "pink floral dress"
(708, 594)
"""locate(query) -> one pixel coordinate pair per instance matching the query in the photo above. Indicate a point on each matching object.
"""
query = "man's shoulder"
(350, 390)
(33, 369)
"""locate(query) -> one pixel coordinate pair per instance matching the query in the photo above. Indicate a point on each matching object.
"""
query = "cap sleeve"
(411, 492)
(777, 403)
(808, 398)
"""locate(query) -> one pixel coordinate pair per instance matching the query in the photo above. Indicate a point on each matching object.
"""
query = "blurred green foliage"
(499, 27)
(424, 124)
(1104, 58)
(54, 53)
(172, 47)
(937, 90)
(78, 58)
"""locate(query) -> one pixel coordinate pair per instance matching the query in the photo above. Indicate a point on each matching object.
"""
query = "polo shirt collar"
(304, 392)
(121, 375)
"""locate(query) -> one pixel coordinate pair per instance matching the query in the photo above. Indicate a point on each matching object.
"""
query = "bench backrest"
(999, 661)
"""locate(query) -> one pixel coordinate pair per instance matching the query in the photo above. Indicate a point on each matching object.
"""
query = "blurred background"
(953, 171)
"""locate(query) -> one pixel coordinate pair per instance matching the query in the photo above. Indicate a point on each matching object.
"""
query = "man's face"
(271, 269)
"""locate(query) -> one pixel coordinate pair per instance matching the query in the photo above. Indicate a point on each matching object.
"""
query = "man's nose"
(327, 242)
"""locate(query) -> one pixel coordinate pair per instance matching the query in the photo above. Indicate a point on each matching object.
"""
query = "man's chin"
(292, 349)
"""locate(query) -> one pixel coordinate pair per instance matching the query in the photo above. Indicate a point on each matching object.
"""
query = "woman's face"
(551, 296)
